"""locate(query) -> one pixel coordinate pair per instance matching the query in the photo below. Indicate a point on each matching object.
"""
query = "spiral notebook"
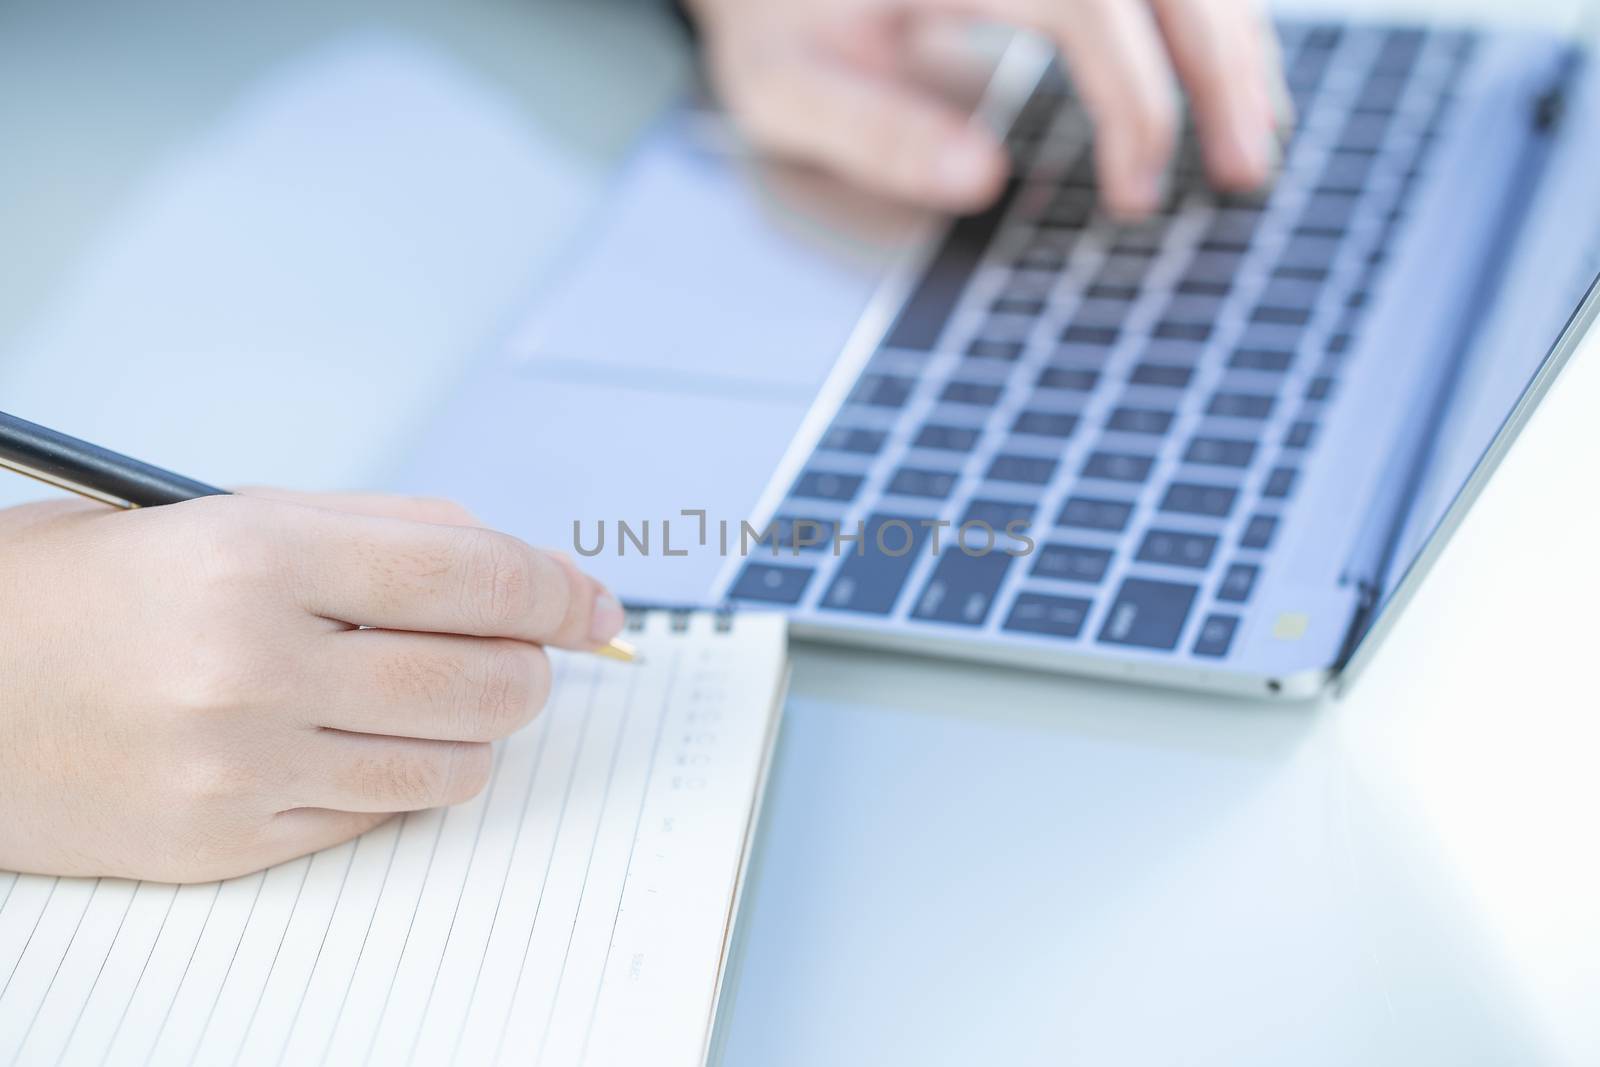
(578, 912)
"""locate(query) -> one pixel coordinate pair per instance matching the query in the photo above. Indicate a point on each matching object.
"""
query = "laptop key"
(1328, 210)
(1057, 616)
(884, 390)
(1280, 483)
(923, 316)
(793, 534)
(979, 394)
(1216, 634)
(1177, 548)
(913, 481)
(1090, 335)
(1184, 331)
(1217, 267)
(1220, 452)
(1300, 434)
(1017, 305)
(1117, 466)
(852, 439)
(1094, 513)
(1101, 312)
(1140, 420)
(1121, 269)
(997, 515)
(1071, 563)
(1045, 423)
(1240, 405)
(1309, 251)
(773, 583)
(963, 587)
(1281, 316)
(1192, 308)
(1346, 172)
(1161, 374)
(1268, 359)
(946, 438)
(869, 580)
(1028, 470)
(984, 348)
(826, 485)
(1148, 614)
(1075, 379)
(1189, 498)
(1258, 531)
(1238, 582)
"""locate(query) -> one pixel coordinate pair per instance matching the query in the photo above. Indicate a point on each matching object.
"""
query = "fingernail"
(964, 168)
(607, 619)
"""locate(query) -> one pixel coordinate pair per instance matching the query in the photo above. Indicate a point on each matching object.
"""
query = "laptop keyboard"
(1140, 398)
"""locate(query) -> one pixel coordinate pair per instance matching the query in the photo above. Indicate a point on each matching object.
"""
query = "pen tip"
(620, 650)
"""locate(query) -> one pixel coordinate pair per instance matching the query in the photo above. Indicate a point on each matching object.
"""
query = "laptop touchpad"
(670, 369)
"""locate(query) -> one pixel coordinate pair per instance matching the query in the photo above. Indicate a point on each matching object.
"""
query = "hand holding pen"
(230, 681)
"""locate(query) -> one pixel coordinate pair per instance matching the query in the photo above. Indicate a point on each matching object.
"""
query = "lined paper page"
(574, 913)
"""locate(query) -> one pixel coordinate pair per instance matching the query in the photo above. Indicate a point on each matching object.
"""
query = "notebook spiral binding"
(722, 616)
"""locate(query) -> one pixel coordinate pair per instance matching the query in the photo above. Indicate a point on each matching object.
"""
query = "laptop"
(1214, 450)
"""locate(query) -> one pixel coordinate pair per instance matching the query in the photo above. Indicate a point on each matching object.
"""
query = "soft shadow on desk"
(1055, 704)
(962, 866)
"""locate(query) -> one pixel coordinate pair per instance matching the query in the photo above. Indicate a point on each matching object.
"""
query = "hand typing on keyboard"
(827, 81)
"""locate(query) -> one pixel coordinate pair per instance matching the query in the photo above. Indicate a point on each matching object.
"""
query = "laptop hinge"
(1371, 566)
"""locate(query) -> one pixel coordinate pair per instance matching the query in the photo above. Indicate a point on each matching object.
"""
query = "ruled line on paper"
(544, 883)
(461, 892)
(588, 866)
(55, 883)
(189, 963)
(377, 1029)
(573, 912)
(144, 967)
(216, 998)
(633, 843)
(511, 860)
(111, 946)
(322, 944)
(372, 916)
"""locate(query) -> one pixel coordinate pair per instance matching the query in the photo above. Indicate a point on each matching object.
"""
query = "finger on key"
(1114, 53)
(1219, 54)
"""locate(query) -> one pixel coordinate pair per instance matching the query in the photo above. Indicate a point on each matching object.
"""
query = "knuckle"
(501, 583)
(405, 780)
(415, 676)
(231, 544)
(222, 674)
(510, 686)
(553, 598)
(467, 770)
(448, 772)
(208, 789)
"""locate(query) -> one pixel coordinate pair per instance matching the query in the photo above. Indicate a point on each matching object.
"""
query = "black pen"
(123, 482)
(89, 470)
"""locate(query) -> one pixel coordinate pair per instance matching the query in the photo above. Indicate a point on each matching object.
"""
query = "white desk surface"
(961, 865)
